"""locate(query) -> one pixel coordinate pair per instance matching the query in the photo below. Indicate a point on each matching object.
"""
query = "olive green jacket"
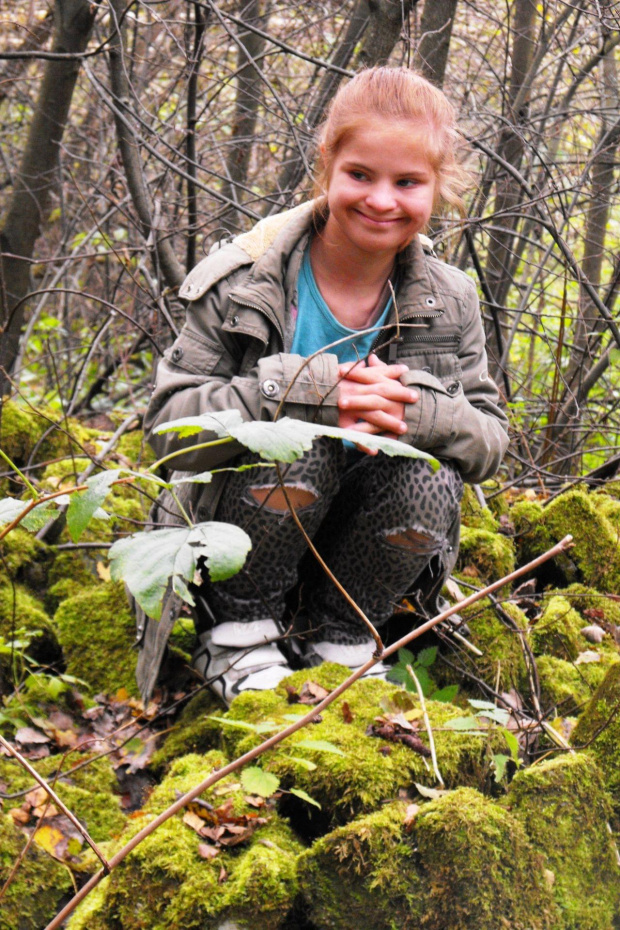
(233, 352)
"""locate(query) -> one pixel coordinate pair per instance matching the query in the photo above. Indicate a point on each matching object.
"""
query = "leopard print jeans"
(376, 521)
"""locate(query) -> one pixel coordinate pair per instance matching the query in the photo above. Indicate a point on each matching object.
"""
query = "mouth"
(379, 221)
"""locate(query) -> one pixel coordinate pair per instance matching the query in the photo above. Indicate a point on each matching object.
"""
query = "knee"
(415, 541)
(283, 499)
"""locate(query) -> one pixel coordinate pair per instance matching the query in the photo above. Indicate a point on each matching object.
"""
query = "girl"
(351, 261)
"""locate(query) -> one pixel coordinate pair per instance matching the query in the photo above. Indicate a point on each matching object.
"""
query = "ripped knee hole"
(413, 540)
(274, 499)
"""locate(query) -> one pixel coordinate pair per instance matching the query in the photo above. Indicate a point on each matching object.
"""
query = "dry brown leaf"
(206, 851)
(223, 876)
(194, 821)
(19, 816)
(347, 716)
(410, 815)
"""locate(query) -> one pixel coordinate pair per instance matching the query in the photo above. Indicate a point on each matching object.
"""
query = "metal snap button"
(426, 368)
(270, 388)
(453, 388)
(177, 354)
(430, 301)
(235, 320)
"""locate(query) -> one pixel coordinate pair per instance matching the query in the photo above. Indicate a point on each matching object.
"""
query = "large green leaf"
(146, 562)
(10, 509)
(256, 781)
(284, 440)
(84, 504)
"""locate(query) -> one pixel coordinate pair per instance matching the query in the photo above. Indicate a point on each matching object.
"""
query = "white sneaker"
(351, 655)
(236, 657)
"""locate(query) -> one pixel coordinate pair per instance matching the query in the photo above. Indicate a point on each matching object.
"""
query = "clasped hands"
(371, 398)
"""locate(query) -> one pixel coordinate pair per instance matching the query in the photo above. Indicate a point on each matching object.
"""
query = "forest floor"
(493, 801)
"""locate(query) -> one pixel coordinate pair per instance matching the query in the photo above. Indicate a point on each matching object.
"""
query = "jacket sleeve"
(206, 371)
(460, 420)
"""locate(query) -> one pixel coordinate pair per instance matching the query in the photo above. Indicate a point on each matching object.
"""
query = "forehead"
(393, 143)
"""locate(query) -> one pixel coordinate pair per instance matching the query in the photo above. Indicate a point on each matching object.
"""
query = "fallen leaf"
(51, 839)
(28, 736)
(19, 816)
(432, 793)
(193, 820)
(594, 634)
(206, 851)
(46, 811)
(347, 716)
(585, 658)
(410, 815)
(103, 571)
(223, 876)
(37, 797)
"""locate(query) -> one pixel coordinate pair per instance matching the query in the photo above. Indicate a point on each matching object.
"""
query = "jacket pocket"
(435, 355)
(192, 352)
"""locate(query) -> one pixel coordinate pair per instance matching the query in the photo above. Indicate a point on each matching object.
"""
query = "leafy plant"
(486, 716)
(420, 665)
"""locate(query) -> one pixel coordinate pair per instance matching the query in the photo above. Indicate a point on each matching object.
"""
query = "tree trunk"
(128, 143)
(508, 192)
(431, 56)
(246, 103)
(37, 176)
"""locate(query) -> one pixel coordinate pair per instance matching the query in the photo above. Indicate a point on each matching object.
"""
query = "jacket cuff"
(430, 420)
(309, 389)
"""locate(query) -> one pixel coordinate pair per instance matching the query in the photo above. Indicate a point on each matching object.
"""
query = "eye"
(358, 175)
(407, 182)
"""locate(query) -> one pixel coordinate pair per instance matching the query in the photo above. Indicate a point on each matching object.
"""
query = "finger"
(375, 400)
(385, 422)
(374, 374)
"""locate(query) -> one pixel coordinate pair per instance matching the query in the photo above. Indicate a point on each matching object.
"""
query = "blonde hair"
(401, 95)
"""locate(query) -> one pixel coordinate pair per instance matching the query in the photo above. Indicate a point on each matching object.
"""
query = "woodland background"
(134, 135)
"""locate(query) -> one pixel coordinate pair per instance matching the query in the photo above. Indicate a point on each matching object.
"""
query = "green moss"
(475, 516)
(564, 808)
(96, 632)
(482, 871)
(532, 537)
(89, 792)
(18, 549)
(193, 732)
(363, 778)
(599, 729)
(557, 631)
(165, 883)
(583, 598)
(501, 649)
(490, 553)
(20, 609)
(562, 685)
(609, 507)
(33, 896)
(70, 574)
(364, 874)
(135, 449)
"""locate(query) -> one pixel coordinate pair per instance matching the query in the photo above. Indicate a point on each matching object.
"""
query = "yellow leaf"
(193, 821)
(49, 838)
(103, 571)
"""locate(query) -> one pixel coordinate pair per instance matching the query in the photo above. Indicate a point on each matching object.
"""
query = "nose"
(381, 197)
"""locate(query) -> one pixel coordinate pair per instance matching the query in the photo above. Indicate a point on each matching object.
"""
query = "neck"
(356, 269)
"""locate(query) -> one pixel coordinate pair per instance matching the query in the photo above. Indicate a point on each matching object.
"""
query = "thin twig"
(427, 724)
(293, 728)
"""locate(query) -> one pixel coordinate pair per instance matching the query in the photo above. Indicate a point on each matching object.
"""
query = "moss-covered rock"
(165, 883)
(90, 792)
(134, 447)
(482, 873)
(501, 647)
(557, 631)
(491, 554)
(365, 775)
(33, 896)
(601, 607)
(365, 874)
(564, 809)
(96, 631)
(193, 732)
(531, 535)
(563, 685)
(70, 574)
(595, 557)
(599, 729)
(474, 515)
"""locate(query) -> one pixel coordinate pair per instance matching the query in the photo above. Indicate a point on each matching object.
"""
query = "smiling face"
(381, 189)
